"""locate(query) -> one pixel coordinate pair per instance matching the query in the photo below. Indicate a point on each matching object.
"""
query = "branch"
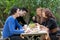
(1, 23)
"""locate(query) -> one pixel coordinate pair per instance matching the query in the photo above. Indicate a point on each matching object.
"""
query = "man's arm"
(20, 19)
(19, 25)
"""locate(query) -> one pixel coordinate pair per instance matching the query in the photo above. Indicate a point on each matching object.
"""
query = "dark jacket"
(21, 20)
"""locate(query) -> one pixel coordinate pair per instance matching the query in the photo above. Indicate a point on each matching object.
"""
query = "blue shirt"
(9, 27)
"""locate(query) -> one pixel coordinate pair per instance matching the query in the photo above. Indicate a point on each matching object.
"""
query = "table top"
(38, 33)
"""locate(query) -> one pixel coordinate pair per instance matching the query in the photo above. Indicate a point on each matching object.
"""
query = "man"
(20, 19)
(11, 23)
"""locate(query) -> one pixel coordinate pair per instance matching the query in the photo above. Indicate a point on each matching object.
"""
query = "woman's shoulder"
(52, 20)
(10, 18)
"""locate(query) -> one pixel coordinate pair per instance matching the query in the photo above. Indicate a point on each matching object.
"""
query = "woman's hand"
(33, 18)
(37, 24)
(25, 27)
(44, 28)
(27, 31)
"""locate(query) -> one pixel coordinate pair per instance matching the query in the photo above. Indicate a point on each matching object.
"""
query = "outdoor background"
(31, 5)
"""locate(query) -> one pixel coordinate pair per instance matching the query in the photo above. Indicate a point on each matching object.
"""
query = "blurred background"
(31, 5)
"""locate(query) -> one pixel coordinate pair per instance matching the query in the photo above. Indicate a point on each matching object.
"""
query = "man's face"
(22, 13)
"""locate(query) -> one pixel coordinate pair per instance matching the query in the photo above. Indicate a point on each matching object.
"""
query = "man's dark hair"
(24, 9)
(13, 10)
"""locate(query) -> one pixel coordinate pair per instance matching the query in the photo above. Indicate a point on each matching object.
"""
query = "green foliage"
(6, 5)
(57, 18)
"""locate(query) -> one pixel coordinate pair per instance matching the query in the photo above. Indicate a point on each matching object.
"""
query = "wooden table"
(34, 34)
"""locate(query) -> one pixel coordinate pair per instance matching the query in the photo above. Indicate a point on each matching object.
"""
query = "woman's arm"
(12, 29)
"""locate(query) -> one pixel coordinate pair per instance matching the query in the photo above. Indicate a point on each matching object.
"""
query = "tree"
(6, 5)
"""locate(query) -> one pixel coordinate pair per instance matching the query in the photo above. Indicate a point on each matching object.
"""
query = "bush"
(6, 5)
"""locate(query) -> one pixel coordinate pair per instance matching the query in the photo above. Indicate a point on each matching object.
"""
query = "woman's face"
(18, 12)
(44, 15)
(38, 11)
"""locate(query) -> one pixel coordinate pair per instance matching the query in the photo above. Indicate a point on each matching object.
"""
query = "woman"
(49, 22)
(9, 30)
(21, 19)
(37, 18)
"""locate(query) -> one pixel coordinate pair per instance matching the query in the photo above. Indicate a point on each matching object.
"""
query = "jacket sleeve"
(11, 25)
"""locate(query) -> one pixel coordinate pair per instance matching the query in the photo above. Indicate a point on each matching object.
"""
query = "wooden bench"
(58, 34)
(1, 33)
